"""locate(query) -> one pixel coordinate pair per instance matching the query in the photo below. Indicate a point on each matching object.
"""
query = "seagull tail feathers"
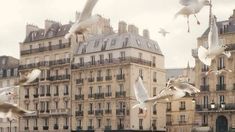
(227, 53)
(202, 55)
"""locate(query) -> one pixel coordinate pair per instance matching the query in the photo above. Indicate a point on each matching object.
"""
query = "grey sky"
(149, 14)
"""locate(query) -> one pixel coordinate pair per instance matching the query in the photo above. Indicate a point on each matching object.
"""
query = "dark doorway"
(221, 124)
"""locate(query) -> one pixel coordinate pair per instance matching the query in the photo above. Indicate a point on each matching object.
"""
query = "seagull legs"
(196, 19)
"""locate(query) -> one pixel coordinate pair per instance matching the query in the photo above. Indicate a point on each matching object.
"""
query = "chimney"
(77, 15)
(133, 29)
(122, 27)
(146, 33)
(232, 18)
(30, 28)
(48, 24)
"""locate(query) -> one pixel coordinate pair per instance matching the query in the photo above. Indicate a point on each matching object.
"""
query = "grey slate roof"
(10, 62)
(56, 30)
(230, 29)
(118, 41)
(174, 72)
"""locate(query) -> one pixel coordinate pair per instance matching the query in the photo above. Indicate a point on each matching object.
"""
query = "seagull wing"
(32, 76)
(17, 111)
(187, 2)
(140, 91)
(8, 89)
(87, 11)
(213, 36)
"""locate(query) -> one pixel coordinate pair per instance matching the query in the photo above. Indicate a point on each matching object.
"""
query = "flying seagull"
(191, 7)
(218, 72)
(163, 32)
(9, 110)
(85, 21)
(214, 47)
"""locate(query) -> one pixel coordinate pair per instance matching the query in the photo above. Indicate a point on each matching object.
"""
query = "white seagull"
(218, 72)
(163, 32)
(214, 47)
(85, 21)
(191, 7)
(8, 110)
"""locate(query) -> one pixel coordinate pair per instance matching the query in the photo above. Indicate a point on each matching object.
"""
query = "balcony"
(220, 87)
(154, 127)
(120, 112)
(168, 109)
(121, 94)
(120, 77)
(168, 123)
(79, 127)
(90, 127)
(204, 87)
(79, 81)
(155, 80)
(108, 111)
(99, 79)
(60, 78)
(90, 112)
(79, 113)
(48, 94)
(140, 127)
(99, 112)
(66, 94)
(35, 95)
(182, 108)
(35, 128)
(56, 94)
(59, 111)
(26, 96)
(79, 97)
(108, 78)
(118, 61)
(154, 112)
(66, 127)
(182, 122)
(60, 62)
(42, 94)
(91, 80)
(220, 67)
(108, 127)
(229, 107)
(204, 124)
(45, 127)
(120, 126)
(56, 126)
(108, 94)
(99, 95)
(91, 95)
(26, 128)
(44, 49)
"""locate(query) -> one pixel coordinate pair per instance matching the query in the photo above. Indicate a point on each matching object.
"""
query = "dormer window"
(156, 47)
(4, 61)
(96, 43)
(138, 42)
(149, 45)
(113, 42)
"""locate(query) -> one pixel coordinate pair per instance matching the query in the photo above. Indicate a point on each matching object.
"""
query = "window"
(125, 42)
(65, 104)
(57, 90)
(49, 46)
(109, 90)
(141, 123)
(108, 72)
(101, 59)
(122, 55)
(156, 46)
(99, 89)
(93, 60)
(108, 106)
(56, 105)
(90, 122)
(66, 89)
(84, 49)
(96, 43)
(79, 107)
(48, 89)
(205, 101)
(168, 119)
(81, 61)
(110, 57)
(154, 61)
(182, 105)
(8, 72)
(138, 42)
(4, 60)
(113, 42)
(91, 90)
(120, 71)
(154, 76)
(154, 91)
(36, 122)
(221, 98)
(168, 106)
(149, 45)
(99, 73)
(46, 122)
(91, 107)
(121, 87)
(66, 121)
(141, 74)
(108, 122)
(80, 123)
(140, 56)
(221, 63)
(182, 118)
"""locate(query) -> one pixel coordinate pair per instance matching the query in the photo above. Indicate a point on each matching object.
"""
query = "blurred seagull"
(85, 21)
(163, 32)
(214, 47)
(218, 72)
(191, 7)
(8, 110)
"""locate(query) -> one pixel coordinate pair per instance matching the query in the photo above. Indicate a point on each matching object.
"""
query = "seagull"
(191, 7)
(163, 32)
(214, 47)
(9, 110)
(85, 21)
(34, 74)
(218, 72)
(165, 94)
(183, 86)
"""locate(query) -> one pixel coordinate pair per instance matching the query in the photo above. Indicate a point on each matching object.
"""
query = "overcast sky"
(145, 14)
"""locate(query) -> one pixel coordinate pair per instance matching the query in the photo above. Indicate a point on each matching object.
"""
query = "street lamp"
(193, 100)
(222, 105)
(212, 104)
